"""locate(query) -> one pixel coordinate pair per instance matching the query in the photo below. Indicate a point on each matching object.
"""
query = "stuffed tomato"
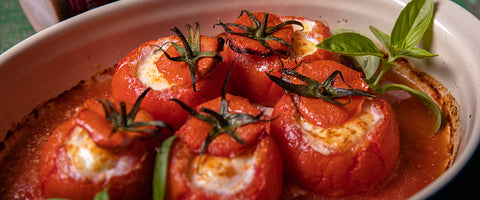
(284, 40)
(174, 68)
(239, 160)
(306, 37)
(101, 149)
(335, 145)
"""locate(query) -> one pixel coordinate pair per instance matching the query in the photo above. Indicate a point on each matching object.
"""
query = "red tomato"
(323, 113)
(251, 46)
(178, 72)
(127, 86)
(305, 41)
(261, 179)
(252, 59)
(223, 145)
(228, 169)
(72, 165)
(333, 150)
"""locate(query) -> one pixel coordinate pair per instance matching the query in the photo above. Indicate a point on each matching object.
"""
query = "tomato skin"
(363, 169)
(346, 170)
(319, 32)
(248, 77)
(251, 60)
(248, 45)
(127, 87)
(58, 176)
(323, 113)
(195, 131)
(267, 182)
(178, 72)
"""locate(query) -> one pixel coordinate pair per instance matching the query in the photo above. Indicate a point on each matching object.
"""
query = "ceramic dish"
(59, 57)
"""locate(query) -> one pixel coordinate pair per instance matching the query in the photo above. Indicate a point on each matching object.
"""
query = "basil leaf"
(350, 44)
(160, 169)
(383, 37)
(415, 53)
(429, 102)
(102, 195)
(369, 65)
(412, 23)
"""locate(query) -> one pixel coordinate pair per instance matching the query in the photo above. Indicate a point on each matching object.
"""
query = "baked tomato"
(289, 40)
(174, 67)
(254, 174)
(333, 143)
(306, 37)
(224, 152)
(255, 50)
(101, 147)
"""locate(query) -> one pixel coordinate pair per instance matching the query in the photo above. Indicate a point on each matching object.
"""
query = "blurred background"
(20, 19)
(15, 26)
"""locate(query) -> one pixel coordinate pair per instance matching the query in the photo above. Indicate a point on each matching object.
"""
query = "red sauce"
(20, 153)
(424, 155)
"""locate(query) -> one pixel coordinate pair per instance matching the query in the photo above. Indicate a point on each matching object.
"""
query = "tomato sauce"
(424, 155)
(20, 152)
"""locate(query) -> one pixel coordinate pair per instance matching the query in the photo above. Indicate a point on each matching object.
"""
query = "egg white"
(146, 69)
(303, 42)
(90, 162)
(223, 175)
(344, 136)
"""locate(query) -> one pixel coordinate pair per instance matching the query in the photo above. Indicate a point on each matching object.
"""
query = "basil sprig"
(408, 30)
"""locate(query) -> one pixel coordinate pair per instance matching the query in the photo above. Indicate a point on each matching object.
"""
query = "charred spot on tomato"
(264, 36)
(221, 43)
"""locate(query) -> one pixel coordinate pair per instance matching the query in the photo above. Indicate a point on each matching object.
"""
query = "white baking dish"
(59, 57)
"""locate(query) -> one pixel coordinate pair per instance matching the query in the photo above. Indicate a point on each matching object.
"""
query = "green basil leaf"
(102, 195)
(392, 53)
(369, 65)
(412, 23)
(420, 96)
(350, 44)
(160, 169)
(415, 53)
(381, 36)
